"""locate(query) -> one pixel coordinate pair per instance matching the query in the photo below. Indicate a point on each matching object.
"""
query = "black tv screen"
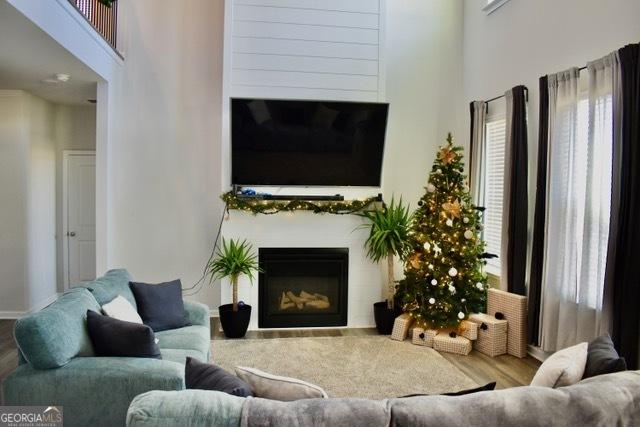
(307, 143)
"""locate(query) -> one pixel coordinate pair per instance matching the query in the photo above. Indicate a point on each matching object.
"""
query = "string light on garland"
(272, 207)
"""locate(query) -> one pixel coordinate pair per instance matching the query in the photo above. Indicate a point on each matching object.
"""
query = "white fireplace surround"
(309, 230)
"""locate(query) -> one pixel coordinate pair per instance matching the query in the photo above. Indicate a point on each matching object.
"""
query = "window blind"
(494, 177)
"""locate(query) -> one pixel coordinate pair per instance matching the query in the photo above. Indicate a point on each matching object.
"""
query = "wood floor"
(507, 371)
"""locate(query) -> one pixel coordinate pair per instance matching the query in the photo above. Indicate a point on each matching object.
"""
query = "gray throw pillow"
(275, 387)
(602, 358)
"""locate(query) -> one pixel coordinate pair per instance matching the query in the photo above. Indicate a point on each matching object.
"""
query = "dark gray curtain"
(518, 194)
(623, 266)
(537, 254)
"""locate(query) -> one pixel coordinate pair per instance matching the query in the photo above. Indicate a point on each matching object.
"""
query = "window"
(495, 135)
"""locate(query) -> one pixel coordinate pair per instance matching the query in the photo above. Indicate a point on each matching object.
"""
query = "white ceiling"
(28, 55)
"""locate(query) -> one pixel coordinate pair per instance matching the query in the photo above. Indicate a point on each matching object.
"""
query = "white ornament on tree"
(431, 188)
(453, 272)
(427, 246)
(434, 282)
(465, 220)
(432, 301)
(468, 234)
(449, 223)
(479, 286)
(460, 315)
(452, 289)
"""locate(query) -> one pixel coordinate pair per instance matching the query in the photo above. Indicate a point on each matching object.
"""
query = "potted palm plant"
(388, 237)
(233, 259)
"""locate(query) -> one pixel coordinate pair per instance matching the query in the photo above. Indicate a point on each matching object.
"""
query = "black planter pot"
(385, 317)
(234, 323)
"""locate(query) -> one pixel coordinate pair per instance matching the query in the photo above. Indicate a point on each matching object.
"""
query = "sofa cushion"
(180, 355)
(161, 305)
(605, 400)
(185, 408)
(51, 337)
(113, 337)
(109, 286)
(206, 376)
(193, 337)
(602, 358)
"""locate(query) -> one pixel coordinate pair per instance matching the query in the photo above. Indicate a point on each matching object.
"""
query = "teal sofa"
(58, 365)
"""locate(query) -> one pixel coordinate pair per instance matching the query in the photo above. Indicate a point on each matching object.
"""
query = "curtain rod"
(526, 96)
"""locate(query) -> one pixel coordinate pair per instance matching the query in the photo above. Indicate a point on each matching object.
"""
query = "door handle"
(71, 234)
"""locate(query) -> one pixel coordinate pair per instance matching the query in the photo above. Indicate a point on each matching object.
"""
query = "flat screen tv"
(307, 143)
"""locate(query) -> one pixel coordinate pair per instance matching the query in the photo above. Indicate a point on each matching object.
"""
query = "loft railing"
(104, 19)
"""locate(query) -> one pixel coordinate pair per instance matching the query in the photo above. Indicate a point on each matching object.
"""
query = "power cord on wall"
(197, 286)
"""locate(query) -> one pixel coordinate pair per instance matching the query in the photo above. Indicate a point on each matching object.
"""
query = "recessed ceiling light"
(57, 78)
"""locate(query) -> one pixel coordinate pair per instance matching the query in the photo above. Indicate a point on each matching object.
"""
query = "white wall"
(424, 89)
(164, 158)
(27, 229)
(75, 129)
(13, 194)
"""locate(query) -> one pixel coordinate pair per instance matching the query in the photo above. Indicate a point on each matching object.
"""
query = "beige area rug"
(374, 367)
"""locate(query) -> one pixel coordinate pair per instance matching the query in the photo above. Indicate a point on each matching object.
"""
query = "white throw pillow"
(121, 309)
(275, 387)
(564, 367)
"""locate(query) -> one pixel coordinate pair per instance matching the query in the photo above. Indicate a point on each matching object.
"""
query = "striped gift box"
(423, 336)
(401, 327)
(469, 330)
(514, 309)
(492, 334)
(457, 345)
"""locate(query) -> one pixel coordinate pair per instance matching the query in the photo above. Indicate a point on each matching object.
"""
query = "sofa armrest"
(93, 390)
(185, 408)
(197, 313)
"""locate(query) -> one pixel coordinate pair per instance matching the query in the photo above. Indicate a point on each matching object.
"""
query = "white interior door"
(80, 233)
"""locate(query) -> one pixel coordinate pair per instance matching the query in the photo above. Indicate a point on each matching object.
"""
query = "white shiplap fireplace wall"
(304, 49)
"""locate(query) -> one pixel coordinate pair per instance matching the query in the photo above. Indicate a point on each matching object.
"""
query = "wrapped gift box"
(514, 309)
(421, 336)
(492, 334)
(458, 345)
(469, 330)
(401, 327)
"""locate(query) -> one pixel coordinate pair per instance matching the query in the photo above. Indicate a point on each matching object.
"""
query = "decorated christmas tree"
(444, 279)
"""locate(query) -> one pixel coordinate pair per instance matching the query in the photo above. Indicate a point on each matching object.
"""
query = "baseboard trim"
(537, 353)
(214, 312)
(10, 314)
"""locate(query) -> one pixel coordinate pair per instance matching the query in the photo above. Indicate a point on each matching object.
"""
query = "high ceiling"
(28, 56)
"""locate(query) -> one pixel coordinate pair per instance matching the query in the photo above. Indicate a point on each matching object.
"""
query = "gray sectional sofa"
(606, 400)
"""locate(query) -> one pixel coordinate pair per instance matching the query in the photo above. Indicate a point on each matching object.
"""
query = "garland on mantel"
(270, 207)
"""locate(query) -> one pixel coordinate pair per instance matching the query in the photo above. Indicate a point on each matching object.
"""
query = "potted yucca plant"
(233, 259)
(388, 237)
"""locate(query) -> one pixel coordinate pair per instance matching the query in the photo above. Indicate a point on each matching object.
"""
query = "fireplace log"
(299, 302)
(289, 300)
(320, 304)
(285, 302)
